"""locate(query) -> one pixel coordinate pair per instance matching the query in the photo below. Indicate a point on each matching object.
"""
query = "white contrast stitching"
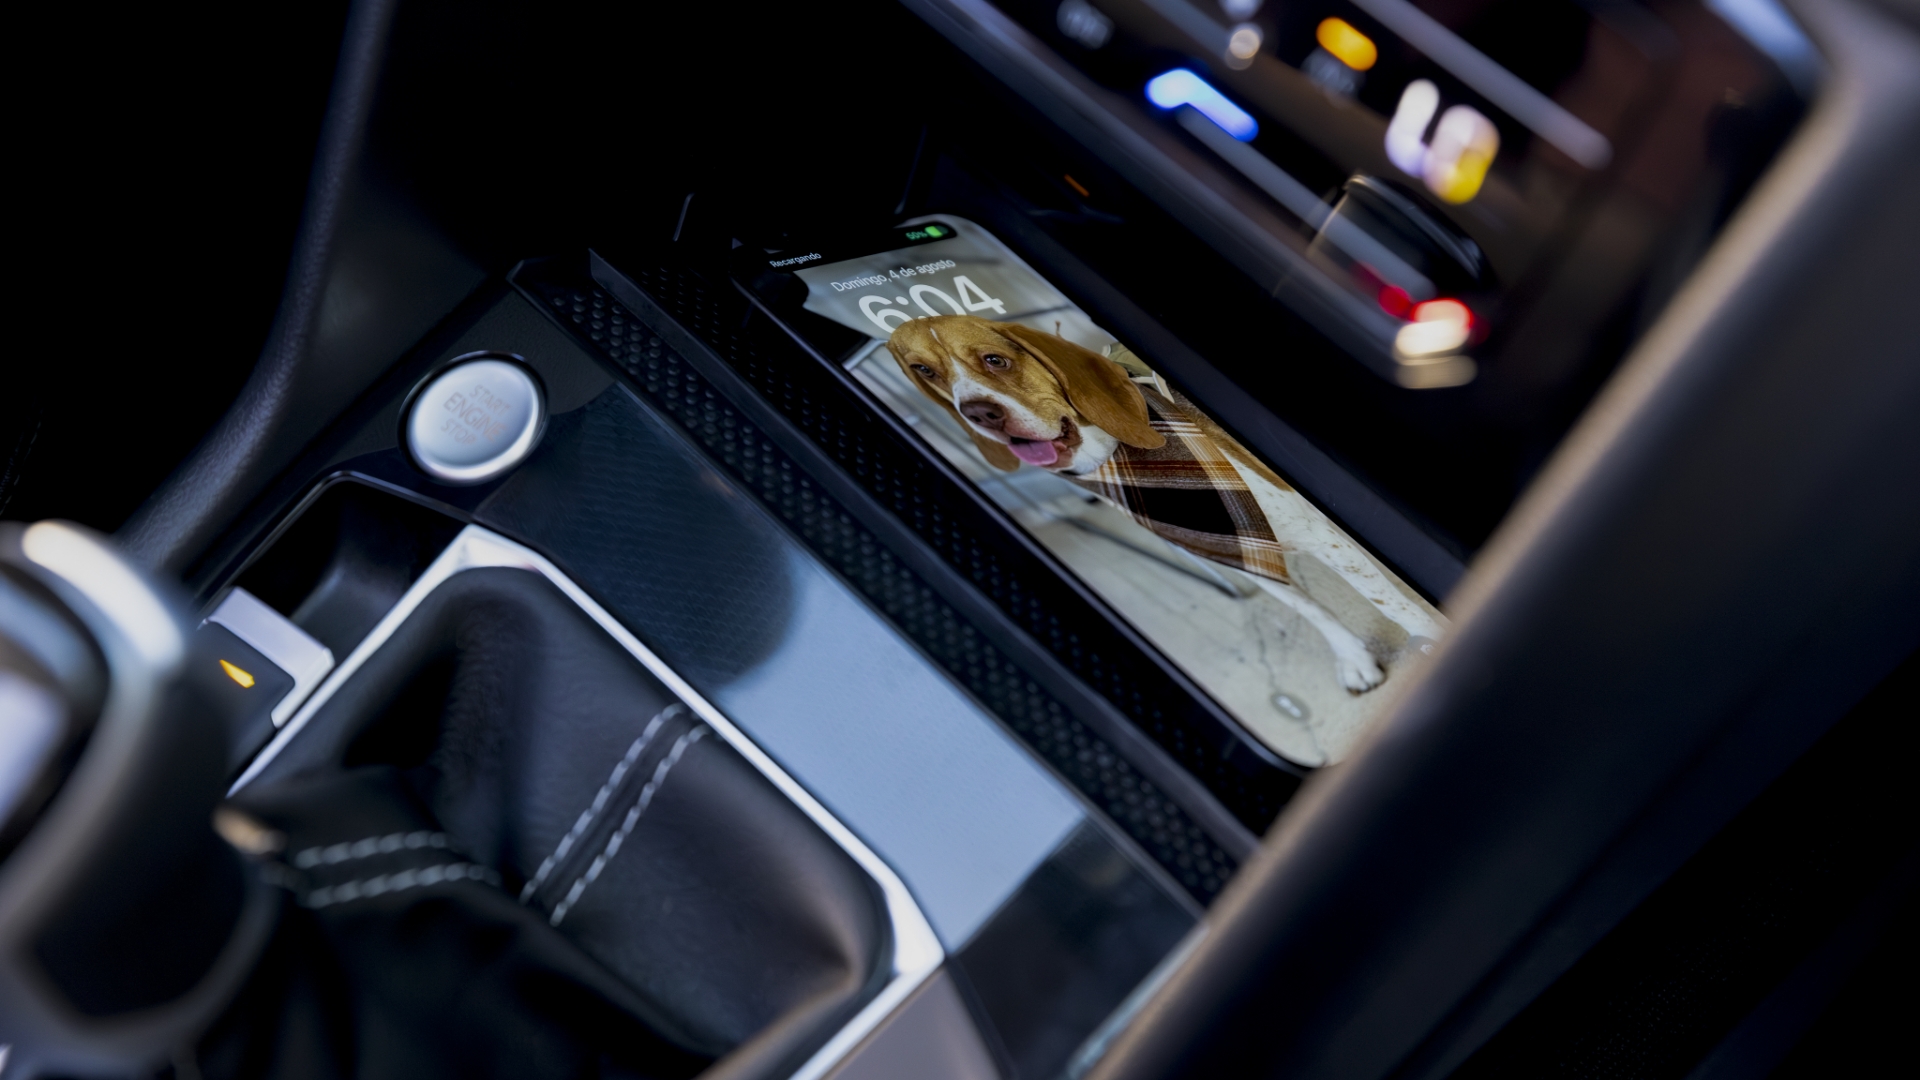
(619, 836)
(311, 857)
(397, 882)
(592, 812)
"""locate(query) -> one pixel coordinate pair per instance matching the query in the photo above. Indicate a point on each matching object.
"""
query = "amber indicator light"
(237, 673)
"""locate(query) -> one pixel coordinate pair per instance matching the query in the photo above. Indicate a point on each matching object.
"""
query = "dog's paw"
(1359, 673)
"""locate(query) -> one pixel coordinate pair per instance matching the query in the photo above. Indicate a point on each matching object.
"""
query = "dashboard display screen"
(1437, 184)
(1204, 548)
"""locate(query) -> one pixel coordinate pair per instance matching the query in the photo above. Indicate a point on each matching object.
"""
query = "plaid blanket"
(1189, 492)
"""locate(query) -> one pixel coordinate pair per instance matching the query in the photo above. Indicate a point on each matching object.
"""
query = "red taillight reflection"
(1452, 311)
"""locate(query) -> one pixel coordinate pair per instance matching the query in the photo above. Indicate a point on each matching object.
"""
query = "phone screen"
(1204, 548)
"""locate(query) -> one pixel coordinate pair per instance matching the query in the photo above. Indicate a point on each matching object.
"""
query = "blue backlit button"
(475, 420)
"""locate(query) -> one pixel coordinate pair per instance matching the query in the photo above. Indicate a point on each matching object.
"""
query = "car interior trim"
(278, 639)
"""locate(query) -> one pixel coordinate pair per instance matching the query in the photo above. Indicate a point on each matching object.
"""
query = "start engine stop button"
(475, 420)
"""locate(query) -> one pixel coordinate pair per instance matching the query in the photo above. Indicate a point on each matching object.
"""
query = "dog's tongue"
(1034, 452)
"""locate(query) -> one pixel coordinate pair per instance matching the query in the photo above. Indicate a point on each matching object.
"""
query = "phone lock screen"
(1203, 547)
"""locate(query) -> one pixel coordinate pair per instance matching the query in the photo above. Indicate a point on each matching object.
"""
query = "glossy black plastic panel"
(1065, 951)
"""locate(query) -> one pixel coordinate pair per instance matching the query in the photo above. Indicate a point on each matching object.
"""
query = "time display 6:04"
(960, 297)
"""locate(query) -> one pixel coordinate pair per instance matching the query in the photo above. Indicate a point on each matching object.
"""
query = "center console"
(628, 695)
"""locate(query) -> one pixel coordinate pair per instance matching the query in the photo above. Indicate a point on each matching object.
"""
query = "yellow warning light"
(1349, 46)
(237, 673)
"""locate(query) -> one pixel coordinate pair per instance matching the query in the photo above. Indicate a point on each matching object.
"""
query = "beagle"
(1026, 396)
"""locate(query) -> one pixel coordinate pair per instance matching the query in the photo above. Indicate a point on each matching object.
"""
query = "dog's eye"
(923, 370)
(994, 360)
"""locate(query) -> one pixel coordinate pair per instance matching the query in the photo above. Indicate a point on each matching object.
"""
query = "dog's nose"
(984, 413)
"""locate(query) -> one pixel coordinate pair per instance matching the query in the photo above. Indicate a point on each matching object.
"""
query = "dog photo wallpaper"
(1208, 551)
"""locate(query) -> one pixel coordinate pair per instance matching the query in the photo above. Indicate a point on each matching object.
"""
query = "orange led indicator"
(1349, 46)
(237, 673)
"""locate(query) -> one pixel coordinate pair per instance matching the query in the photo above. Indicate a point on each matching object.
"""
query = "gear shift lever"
(438, 903)
(125, 922)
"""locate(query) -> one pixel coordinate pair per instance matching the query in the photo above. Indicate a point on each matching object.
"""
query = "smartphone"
(1206, 549)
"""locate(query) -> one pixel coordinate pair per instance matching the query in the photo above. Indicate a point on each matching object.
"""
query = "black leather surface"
(508, 711)
(402, 959)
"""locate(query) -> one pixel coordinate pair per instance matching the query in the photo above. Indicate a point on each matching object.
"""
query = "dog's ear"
(1095, 385)
(997, 455)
